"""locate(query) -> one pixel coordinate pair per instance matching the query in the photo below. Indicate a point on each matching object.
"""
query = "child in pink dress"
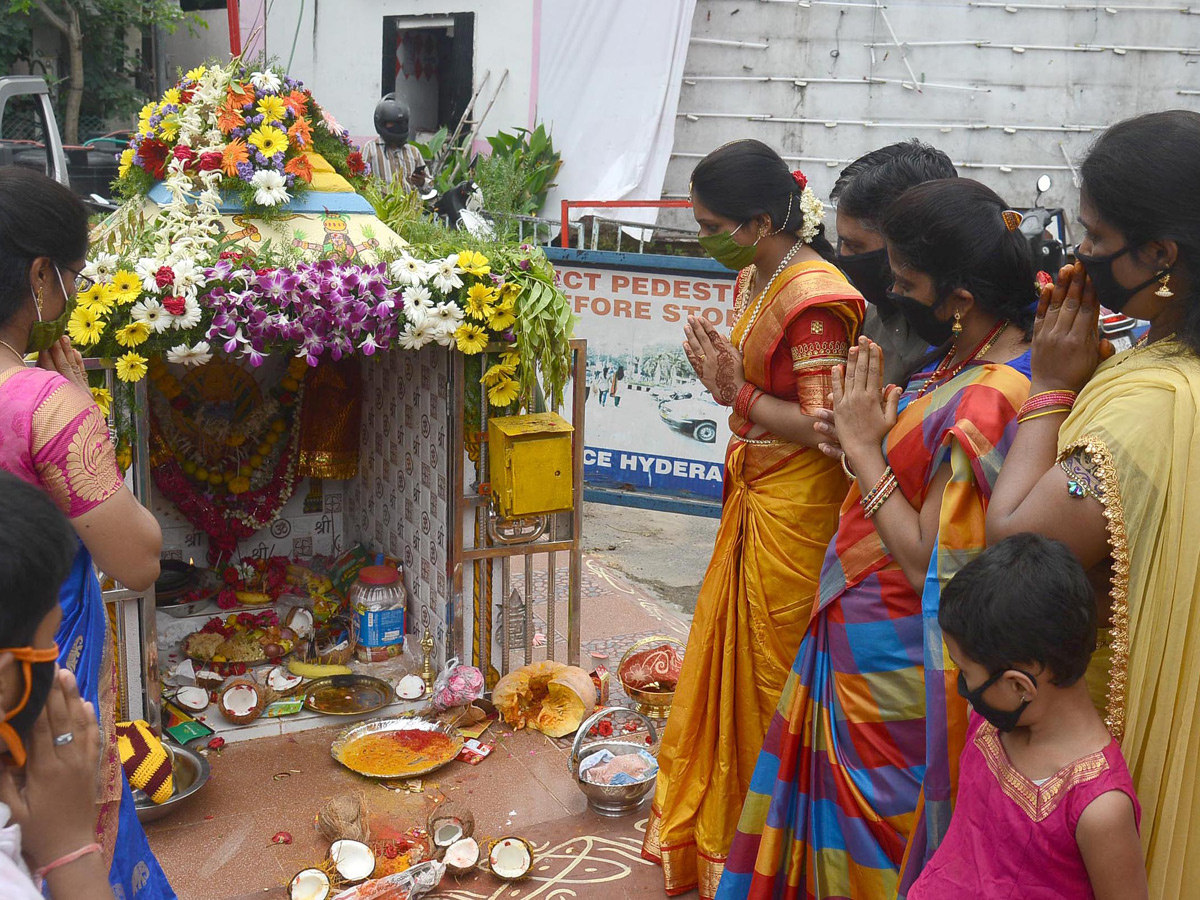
(1046, 808)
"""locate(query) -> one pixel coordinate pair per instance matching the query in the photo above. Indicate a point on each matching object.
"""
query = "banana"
(315, 670)
(253, 598)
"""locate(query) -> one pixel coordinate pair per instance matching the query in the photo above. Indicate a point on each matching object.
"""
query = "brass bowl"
(653, 704)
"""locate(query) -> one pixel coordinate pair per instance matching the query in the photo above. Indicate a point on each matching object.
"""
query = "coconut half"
(462, 856)
(301, 621)
(411, 687)
(280, 680)
(241, 701)
(311, 884)
(447, 834)
(192, 698)
(353, 860)
(511, 858)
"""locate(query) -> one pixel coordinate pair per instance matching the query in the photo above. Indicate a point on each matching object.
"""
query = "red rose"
(186, 96)
(185, 154)
(216, 743)
(355, 162)
(801, 181)
(164, 277)
(231, 576)
(175, 305)
(1041, 279)
(210, 161)
(154, 157)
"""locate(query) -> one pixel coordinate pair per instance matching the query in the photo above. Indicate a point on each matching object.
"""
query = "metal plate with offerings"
(401, 747)
(348, 695)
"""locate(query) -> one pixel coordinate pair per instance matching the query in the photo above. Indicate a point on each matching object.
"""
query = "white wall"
(1056, 100)
(339, 50)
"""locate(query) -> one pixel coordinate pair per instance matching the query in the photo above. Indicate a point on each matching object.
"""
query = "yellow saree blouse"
(1136, 424)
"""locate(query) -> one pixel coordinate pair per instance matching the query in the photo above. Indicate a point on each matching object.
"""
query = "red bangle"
(40, 874)
(744, 400)
(1047, 399)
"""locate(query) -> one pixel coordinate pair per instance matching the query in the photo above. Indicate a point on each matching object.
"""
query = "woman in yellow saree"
(797, 316)
(1115, 473)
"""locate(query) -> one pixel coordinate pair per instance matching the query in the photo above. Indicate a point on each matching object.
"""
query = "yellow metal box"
(531, 464)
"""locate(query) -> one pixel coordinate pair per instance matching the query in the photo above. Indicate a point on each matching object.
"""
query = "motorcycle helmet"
(391, 120)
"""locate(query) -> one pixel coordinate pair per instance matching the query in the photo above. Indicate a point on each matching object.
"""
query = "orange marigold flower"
(240, 94)
(296, 102)
(235, 152)
(300, 167)
(301, 132)
(229, 117)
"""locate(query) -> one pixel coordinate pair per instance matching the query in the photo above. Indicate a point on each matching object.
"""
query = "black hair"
(37, 550)
(38, 217)
(1024, 599)
(869, 185)
(953, 231)
(746, 178)
(1143, 177)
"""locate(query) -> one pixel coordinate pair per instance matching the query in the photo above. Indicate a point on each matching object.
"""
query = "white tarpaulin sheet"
(609, 76)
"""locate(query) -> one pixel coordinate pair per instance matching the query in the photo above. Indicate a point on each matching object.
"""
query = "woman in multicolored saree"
(856, 778)
(797, 315)
(1115, 473)
(53, 435)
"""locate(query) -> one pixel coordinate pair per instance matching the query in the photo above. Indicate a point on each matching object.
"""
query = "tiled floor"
(219, 846)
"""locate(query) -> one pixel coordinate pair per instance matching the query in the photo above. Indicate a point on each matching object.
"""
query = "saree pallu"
(1137, 422)
(87, 651)
(780, 509)
(853, 788)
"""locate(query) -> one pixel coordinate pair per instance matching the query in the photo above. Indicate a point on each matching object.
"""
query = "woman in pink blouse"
(53, 435)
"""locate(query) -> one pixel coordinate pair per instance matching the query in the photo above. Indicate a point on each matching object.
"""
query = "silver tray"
(410, 722)
(189, 771)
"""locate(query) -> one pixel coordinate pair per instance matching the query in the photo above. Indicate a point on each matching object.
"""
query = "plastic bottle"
(378, 600)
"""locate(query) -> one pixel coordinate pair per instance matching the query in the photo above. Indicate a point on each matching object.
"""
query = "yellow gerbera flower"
(501, 320)
(126, 287)
(133, 334)
(504, 393)
(169, 127)
(510, 358)
(473, 263)
(271, 108)
(269, 140)
(144, 116)
(471, 339)
(103, 399)
(85, 327)
(512, 290)
(171, 96)
(131, 367)
(124, 456)
(479, 301)
(497, 373)
(126, 162)
(92, 296)
(196, 74)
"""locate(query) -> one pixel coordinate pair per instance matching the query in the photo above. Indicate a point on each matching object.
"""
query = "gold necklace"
(759, 302)
(20, 356)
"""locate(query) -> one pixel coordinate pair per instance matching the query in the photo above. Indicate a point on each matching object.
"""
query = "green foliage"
(534, 161)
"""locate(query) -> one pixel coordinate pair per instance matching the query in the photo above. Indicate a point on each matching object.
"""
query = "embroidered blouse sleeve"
(71, 450)
(818, 342)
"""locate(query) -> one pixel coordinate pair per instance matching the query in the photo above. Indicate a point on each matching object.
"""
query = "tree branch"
(52, 17)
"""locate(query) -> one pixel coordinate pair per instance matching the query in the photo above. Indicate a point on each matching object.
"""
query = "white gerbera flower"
(417, 315)
(418, 296)
(151, 314)
(447, 313)
(146, 269)
(414, 336)
(271, 187)
(266, 81)
(409, 270)
(190, 356)
(445, 274)
(444, 332)
(101, 268)
(187, 277)
(190, 317)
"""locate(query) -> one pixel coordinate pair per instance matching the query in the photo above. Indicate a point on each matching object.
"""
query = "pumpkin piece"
(547, 696)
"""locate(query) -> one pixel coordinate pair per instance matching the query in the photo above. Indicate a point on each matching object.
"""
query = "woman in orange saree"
(780, 500)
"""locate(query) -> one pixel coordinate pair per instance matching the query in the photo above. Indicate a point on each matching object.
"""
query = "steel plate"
(399, 723)
(348, 695)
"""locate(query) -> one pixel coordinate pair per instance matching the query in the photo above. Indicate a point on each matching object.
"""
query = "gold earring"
(38, 300)
(1164, 288)
(956, 329)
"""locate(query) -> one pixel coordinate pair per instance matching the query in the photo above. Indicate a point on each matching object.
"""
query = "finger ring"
(63, 739)
(701, 357)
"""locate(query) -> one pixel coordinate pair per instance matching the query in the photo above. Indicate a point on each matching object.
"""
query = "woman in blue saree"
(53, 435)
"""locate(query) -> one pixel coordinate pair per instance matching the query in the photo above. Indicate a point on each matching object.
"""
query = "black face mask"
(923, 319)
(870, 273)
(1000, 719)
(1110, 292)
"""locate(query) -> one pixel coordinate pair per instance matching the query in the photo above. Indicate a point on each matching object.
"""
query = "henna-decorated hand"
(716, 362)
(863, 408)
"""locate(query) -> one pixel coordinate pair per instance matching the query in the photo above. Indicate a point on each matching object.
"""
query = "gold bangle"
(1028, 417)
(846, 468)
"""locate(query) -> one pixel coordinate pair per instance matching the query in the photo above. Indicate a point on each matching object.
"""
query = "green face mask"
(43, 334)
(728, 252)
